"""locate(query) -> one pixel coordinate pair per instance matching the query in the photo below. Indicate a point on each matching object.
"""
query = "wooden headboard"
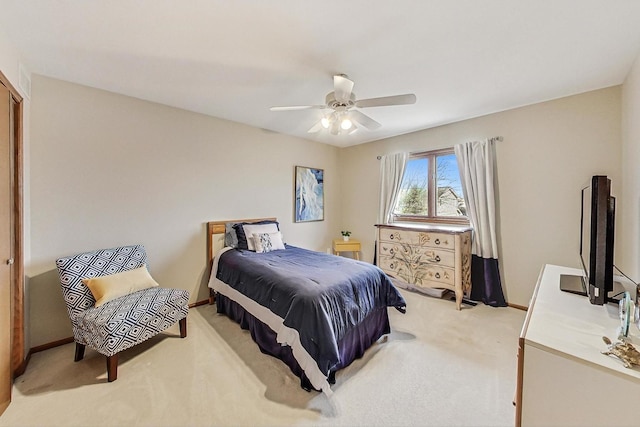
(215, 234)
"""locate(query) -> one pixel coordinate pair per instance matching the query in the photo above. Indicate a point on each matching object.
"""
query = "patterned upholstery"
(122, 322)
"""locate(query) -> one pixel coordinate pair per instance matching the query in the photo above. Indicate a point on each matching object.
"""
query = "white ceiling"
(234, 59)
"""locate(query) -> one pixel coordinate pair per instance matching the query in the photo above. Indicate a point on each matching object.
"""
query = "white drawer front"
(418, 254)
(418, 238)
(418, 274)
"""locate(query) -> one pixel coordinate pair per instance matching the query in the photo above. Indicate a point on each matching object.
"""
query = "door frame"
(18, 359)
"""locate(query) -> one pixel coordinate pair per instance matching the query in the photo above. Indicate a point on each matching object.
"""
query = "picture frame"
(308, 194)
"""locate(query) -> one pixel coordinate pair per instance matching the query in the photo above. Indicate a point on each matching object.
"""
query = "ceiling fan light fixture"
(345, 117)
(335, 128)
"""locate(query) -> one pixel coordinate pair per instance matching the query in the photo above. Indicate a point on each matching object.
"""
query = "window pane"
(412, 198)
(449, 201)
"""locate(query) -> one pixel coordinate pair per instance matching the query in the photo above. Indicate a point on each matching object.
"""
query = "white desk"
(563, 379)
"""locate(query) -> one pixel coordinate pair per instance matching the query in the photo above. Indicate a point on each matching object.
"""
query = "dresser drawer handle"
(437, 275)
(437, 258)
(437, 242)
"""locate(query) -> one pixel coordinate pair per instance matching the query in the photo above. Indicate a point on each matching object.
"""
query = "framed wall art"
(309, 194)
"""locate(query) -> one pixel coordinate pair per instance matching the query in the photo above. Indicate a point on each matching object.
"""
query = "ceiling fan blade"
(405, 99)
(364, 120)
(316, 128)
(298, 107)
(342, 88)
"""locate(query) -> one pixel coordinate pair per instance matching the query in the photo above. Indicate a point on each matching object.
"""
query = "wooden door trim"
(18, 360)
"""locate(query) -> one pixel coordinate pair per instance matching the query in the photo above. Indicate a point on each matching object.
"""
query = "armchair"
(124, 321)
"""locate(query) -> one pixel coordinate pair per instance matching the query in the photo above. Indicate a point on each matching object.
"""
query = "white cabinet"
(427, 256)
(563, 377)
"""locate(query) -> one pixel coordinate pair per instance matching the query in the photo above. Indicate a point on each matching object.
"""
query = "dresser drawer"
(418, 254)
(418, 238)
(420, 274)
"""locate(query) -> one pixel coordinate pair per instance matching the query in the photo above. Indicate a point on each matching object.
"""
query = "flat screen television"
(596, 240)
(597, 229)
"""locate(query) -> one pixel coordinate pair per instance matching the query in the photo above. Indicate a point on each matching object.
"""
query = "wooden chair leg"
(112, 367)
(183, 327)
(79, 352)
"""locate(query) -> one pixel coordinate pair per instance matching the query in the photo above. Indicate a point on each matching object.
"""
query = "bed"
(314, 311)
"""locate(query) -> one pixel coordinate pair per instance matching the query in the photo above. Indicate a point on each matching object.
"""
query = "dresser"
(427, 256)
(563, 377)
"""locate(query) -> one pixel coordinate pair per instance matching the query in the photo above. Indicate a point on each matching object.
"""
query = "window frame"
(431, 157)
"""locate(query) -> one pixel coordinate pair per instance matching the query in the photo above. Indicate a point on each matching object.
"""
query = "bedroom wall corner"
(628, 258)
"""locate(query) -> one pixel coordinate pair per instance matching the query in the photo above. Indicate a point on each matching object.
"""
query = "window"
(431, 189)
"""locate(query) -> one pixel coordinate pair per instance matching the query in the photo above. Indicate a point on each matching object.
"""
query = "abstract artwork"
(309, 197)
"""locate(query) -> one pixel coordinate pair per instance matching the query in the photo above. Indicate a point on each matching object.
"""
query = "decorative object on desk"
(309, 194)
(625, 311)
(624, 351)
(345, 235)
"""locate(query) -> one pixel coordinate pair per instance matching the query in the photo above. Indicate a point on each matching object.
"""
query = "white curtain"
(391, 173)
(476, 162)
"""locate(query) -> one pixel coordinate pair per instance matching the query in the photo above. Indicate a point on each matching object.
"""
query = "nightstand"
(339, 245)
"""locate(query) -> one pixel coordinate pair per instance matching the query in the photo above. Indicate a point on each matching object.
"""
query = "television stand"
(575, 284)
(616, 295)
(563, 377)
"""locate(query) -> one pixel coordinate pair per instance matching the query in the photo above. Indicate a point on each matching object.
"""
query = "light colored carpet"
(439, 367)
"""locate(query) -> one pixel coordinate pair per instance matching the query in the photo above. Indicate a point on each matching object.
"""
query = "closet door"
(6, 256)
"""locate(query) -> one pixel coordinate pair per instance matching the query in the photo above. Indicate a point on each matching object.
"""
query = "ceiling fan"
(345, 118)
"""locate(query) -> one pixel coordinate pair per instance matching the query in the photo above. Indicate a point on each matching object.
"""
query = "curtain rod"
(495, 138)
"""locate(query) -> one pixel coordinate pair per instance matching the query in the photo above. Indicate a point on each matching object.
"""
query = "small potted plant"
(345, 235)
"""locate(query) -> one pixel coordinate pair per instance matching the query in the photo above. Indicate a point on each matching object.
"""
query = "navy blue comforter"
(319, 295)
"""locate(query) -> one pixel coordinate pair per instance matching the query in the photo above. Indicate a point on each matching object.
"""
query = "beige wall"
(109, 170)
(9, 62)
(629, 255)
(550, 151)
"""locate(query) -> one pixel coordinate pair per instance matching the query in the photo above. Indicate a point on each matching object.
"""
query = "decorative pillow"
(107, 288)
(245, 234)
(267, 242)
(230, 236)
(250, 230)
